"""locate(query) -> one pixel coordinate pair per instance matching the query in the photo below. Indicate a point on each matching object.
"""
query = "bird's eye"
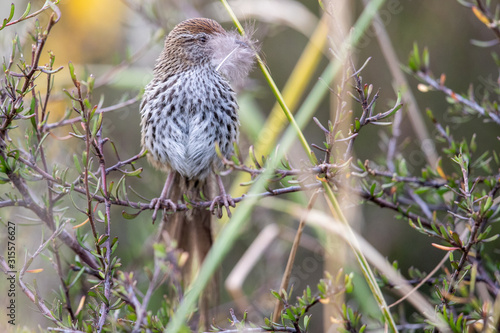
(202, 38)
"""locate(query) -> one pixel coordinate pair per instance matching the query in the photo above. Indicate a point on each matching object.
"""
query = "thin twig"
(41, 10)
(291, 258)
(64, 122)
(98, 145)
(472, 104)
(35, 298)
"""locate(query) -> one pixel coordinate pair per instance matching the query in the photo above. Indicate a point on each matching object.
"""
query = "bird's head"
(204, 42)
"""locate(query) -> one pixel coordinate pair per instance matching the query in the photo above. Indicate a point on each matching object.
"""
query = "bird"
(188, 109)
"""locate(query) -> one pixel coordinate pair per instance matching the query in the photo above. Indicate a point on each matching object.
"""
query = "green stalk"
(363, 263)
(232, 230)
(305, 113)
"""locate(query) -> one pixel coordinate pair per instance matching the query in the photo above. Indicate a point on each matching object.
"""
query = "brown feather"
(191, 231)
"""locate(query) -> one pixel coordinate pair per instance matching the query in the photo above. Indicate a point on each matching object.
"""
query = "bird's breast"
(184, 117)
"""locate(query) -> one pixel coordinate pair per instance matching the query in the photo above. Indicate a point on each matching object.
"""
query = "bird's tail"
(191, 230)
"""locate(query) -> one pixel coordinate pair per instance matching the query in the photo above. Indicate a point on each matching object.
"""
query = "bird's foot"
(156, 204)
(220, 201)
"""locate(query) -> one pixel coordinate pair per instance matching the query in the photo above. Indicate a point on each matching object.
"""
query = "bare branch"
(64, 122)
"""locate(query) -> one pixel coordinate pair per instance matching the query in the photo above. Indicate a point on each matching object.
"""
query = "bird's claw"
(156, 204)
(222, 200)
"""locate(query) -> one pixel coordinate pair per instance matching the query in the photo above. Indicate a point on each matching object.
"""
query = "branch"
(119, 164)
(13, 203)
(30, 203)
(48, 4)
(98, 145)
(457, 97)
(34, 297)
(387, 204)
(118, 106)
(494, 21)
(258, 329)
(36, 53)
(413, 180)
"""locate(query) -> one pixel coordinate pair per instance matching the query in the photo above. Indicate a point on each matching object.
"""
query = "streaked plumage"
(188, 107)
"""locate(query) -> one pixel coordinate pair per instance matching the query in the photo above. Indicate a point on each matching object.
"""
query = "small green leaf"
(11, 15)
(357, 125)
(307, 321)
(129, 216)
(491, 239)
(416, 54)
(77, 164)
(134, 173)
(414, 59)
(84, 159)
(425, 57)
(86, 101)
(456, 238)
(72, 73)
(90, 83)
(276, 295)
(488, 204)
(27, 11)
(102, 239)
(235, 160)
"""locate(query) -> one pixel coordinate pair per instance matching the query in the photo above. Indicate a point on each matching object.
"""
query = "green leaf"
(77, 164)
(27, 11)
(422, 190)
(414, 60)
(134, 173)
(114, 242)
(97, 123)
(349, 286)
(102, 239)
(306, 321)
(491, 239)
(443, 232)
(416, 54)
(11, 15)
(90, 83)
(357, 125)
(276, 295)
(487, 204)
(235, 159)
(129, 216)
(84, 158)
(456, 238)
(87, 104)
(425, 57)
(101, 296)
(361, 165)
(72, 73)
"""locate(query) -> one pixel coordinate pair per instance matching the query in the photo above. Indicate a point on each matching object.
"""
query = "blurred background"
(118, 42)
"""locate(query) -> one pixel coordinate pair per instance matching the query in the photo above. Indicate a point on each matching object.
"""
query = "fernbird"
(188, 108)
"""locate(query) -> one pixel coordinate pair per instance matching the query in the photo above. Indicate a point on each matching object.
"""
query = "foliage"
(454, 200)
